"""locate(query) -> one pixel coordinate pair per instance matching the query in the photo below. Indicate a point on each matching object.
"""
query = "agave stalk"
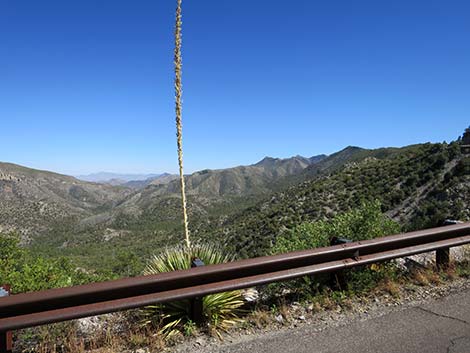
(178, 109)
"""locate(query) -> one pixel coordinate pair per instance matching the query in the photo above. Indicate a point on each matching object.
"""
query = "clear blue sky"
(87, 85)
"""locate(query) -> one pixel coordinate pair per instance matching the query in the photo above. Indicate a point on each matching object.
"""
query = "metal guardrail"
(55, 305)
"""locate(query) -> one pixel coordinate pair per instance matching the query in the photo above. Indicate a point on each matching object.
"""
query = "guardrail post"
(338, 280)
(6, 341)
(196, 306)
(443, 258)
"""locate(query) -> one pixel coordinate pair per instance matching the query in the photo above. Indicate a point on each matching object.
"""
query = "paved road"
(441, 326)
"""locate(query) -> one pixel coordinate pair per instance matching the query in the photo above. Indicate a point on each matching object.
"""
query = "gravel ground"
(300, 316)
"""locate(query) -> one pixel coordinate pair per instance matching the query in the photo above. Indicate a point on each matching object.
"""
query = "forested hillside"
(108, 227)
(114, 229)
(419, 186)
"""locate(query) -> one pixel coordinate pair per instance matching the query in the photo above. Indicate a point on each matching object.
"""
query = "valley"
(113, 229)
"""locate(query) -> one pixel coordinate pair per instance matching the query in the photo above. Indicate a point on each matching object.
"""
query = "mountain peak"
(317, 158)
(267, 161)
(351, 148)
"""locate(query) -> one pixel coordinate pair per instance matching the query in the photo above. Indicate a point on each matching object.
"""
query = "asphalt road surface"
(441, 326)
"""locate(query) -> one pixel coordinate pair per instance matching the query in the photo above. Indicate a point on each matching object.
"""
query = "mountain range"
(419, 186)
(244, 208)
(106, 177)
(34, 201)
(134, 181)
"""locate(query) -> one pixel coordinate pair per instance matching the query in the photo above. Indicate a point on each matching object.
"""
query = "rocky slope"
(32, 201)
(419, 186)
(207, 190)
(242, 180)
(245, 207)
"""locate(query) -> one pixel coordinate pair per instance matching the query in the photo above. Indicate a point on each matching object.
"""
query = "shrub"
(365, 222)
(220, 310)
(25, 272)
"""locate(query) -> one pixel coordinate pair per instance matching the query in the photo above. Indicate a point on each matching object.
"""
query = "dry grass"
(419, 277)
(328, 303)
(285, 312)
(260, 318)
(347, 303)
(390, 287)
(425, 277)
(451, 272)
(434, 277)
(316, 307)
(68, 340)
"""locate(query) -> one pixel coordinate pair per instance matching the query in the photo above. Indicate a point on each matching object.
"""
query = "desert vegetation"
(278, 304)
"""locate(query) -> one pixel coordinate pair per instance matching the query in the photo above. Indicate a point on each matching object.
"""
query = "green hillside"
(419, 186)
(113, 230)
(112, 235)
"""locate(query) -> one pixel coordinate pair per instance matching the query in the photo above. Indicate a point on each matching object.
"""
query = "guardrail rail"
(62, 304)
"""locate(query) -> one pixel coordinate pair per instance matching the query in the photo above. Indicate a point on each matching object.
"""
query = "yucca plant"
(220, 310)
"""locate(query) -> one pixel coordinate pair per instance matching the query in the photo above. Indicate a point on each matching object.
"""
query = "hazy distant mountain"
(161, 179)
(116, 178)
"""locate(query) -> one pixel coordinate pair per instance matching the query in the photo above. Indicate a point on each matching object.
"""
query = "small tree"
(26, 272)
(466, 137)
(365, 222)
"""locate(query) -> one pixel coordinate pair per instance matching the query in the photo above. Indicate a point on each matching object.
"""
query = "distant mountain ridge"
(418, 185)
(32, 201)
(108, 177)
(244, 208)
(161, 179)
(237, 181)
(268, 168)
(272, 162)
(208, 187)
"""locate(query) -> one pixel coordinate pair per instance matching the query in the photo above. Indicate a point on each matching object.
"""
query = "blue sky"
(87, 85)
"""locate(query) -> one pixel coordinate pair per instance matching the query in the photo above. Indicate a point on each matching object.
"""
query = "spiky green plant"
(220, 310)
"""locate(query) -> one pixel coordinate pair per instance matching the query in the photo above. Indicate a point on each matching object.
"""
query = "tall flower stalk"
(178, 110)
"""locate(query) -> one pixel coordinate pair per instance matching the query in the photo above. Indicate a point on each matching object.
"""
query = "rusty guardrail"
(55, 305)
